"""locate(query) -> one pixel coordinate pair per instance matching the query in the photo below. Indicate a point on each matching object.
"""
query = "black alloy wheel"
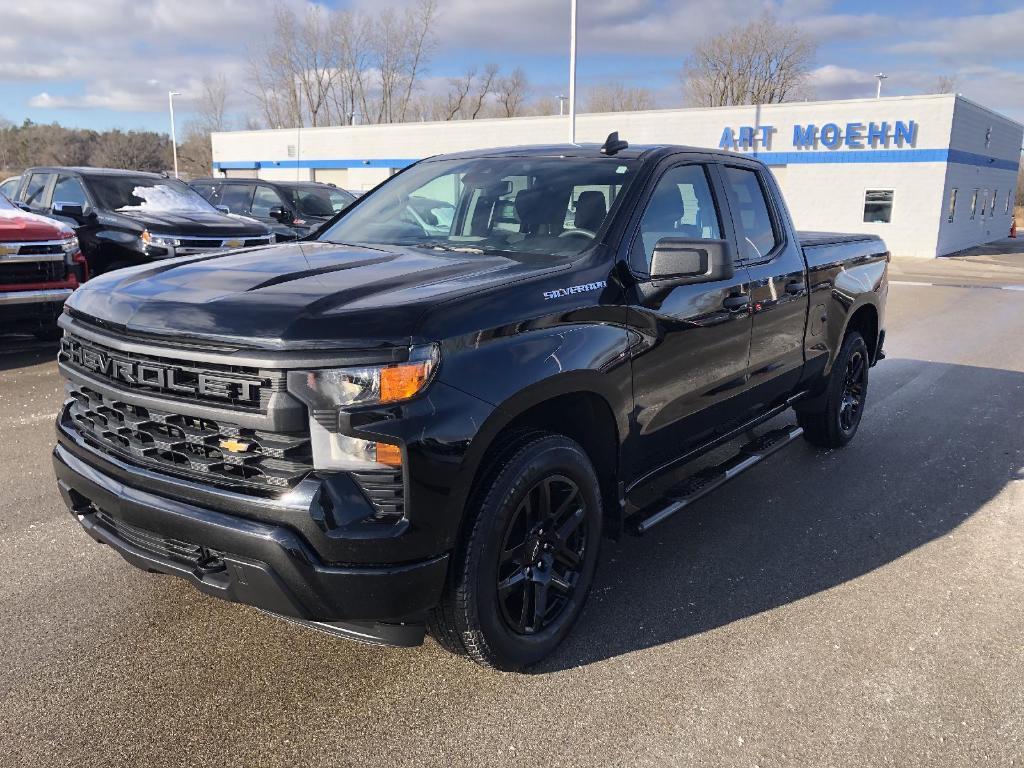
(542, 555)
(855, 381)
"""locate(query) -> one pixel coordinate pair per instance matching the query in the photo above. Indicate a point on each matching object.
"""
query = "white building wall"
(824, 186)
(984, 133)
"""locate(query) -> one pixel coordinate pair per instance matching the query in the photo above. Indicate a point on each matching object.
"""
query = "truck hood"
(294, 295)
(18, 226)
(194, 223)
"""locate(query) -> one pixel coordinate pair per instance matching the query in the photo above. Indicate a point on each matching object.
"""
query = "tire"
(521, 575)
(831, 419)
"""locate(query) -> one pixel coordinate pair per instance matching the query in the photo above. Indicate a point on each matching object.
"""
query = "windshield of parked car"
(320, 201)
(546, 205)
(139, 194)
(5, 204)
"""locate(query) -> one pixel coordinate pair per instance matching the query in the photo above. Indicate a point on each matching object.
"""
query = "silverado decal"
(562, 292)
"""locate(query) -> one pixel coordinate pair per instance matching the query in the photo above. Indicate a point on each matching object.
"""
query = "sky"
(109, 63)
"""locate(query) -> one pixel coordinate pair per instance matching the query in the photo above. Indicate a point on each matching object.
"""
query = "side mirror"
(71, 210)
(280, 214)
(24, 206)
(685, 260)
(223, 209)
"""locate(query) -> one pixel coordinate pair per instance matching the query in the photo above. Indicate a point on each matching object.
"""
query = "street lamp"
(174, 141)
(561, 104)
(880, 76)
(572, 75)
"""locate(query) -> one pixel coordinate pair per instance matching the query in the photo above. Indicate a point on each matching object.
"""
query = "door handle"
(742, 301)
(796, 287)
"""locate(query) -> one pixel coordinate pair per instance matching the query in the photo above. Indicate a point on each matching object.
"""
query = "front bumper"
(31, 310)
(246, 561)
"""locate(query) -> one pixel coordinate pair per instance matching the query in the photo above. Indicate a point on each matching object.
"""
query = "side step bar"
(706, 480)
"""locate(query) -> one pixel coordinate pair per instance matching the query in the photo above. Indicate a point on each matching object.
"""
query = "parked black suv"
(290, 208)
(390, 427)
(128, 217)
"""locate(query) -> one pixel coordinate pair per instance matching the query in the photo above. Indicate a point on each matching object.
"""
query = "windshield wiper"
(440, 246)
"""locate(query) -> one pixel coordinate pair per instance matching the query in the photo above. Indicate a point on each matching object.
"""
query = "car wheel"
(831, 419)
(521, 577)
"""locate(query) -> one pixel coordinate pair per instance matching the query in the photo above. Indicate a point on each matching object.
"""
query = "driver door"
(690, 364)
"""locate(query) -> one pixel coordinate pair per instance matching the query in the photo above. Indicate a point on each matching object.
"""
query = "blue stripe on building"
(809, 157)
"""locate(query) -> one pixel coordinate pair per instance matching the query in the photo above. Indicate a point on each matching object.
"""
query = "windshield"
(320, 201)
(141, 194)
(549, 205)
(5, 204)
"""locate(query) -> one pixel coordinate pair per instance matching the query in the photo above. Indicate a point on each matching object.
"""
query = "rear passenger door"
(690, 360)
(35, 193)
(778, 289)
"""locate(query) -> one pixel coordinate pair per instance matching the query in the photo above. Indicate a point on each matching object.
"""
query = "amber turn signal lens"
(389, 454)
(400, 382)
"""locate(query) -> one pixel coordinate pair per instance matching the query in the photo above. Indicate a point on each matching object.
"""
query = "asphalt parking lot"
(856, 607)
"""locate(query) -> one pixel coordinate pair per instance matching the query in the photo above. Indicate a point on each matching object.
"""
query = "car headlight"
(70, 246)
(328, 391)
(160, 241)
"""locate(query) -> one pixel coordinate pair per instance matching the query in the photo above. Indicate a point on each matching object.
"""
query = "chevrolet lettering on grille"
(163, 377)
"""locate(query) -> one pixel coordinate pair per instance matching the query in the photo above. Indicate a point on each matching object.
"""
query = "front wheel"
(831, 419)
(521, 576)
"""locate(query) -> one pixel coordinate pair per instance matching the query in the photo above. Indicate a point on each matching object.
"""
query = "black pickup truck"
(391, 429)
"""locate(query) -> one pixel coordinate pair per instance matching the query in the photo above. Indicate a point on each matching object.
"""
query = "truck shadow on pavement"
(937, 443)
(20, 352)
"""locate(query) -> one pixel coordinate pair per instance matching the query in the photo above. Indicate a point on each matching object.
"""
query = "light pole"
(572, 76)
(880, 76)
(174, 141)
(561, 105)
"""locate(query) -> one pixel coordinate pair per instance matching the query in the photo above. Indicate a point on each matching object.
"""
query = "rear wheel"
(522, 575)
(831, 419)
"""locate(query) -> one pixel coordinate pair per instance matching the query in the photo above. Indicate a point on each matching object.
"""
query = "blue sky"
(109, 63)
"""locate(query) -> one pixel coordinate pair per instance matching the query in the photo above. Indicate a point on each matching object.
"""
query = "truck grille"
(214, 452)
(28, 272)
(221, 385)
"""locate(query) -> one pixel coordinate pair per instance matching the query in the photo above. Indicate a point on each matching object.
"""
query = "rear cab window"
(756, 230)
(35, 190)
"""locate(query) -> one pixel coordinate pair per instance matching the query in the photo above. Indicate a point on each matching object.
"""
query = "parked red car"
(40, 265)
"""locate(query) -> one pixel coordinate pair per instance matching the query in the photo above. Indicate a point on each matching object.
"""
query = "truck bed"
(816, 239)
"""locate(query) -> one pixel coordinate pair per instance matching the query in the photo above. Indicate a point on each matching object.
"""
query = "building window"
(992, 209)
(984, 202)
(1006, 204)
(974, 204)
(878, 206)
(952, 205)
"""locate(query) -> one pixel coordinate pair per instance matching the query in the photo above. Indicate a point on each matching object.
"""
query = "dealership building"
(933, 175)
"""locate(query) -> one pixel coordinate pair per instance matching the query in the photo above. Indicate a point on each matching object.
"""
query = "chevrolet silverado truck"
(40, 265)
(124, 218)
(386, 429)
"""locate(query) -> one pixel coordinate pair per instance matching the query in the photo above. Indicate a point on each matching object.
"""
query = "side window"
(205, 189)
(265, 199)
(237, 197)
(69, 190)
(754, 229)
(35, 190)
(680, 206)
(952, 205)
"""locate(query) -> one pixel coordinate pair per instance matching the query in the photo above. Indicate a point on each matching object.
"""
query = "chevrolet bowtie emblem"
(235, 446)
(7, 250)
(234, 243)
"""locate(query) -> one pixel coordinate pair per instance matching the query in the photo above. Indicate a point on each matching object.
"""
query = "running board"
(706, 480)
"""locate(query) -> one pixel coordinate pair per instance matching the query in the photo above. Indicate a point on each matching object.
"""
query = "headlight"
(327, 391)
(70, 246)
(160, 241)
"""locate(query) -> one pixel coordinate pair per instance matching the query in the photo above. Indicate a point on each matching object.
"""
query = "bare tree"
(945, 84)
(618, 97)
(511, 92)
(764, 62)
(467, 95)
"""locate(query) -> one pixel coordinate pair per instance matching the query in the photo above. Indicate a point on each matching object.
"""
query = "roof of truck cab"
(633, 152)
(94, 171)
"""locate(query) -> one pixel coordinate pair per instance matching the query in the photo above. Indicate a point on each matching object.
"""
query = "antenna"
(613, 144)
